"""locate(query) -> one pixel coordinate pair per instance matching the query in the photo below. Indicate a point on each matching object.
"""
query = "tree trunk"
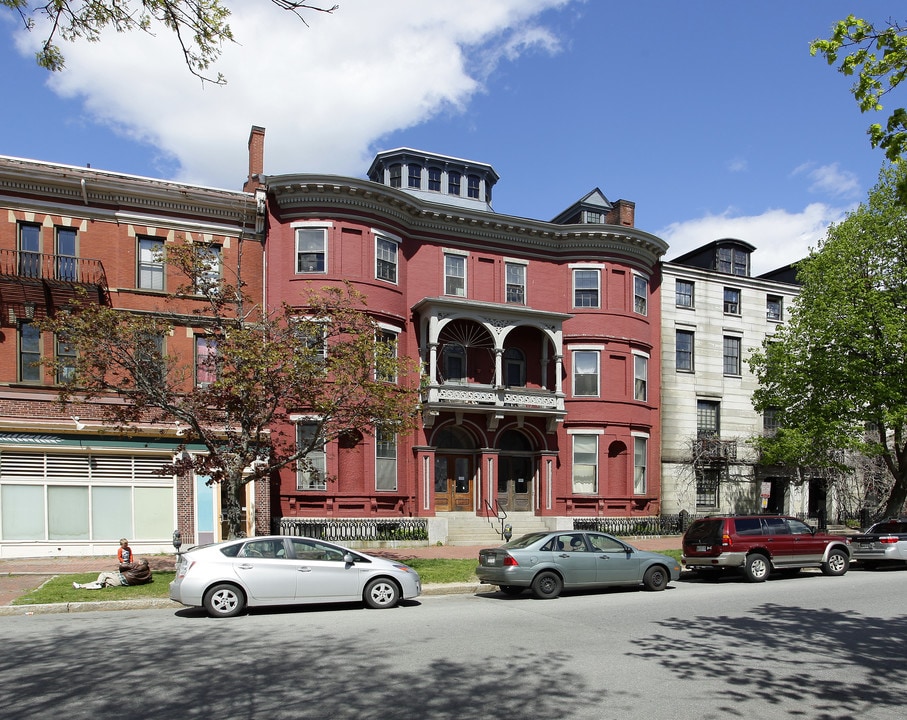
(233, 500)
(894, 507)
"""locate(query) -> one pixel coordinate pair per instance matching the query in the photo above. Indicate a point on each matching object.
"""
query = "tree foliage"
(836, 373)
(320, 359)
(878, 56)
(200, 26)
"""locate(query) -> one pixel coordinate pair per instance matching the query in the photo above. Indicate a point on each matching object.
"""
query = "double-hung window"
(453, 183)
(586, 288)
(66, 254)
(640, 452)
(585, 373)
(312, 468)
(640, 294)
(205, 360)
(516, 282)
(385, 459)
(640, 377)
(773, 308)
(732, 355)
(684, 353)
(585, 463)
(733, 261)
(385, 259)
(30, 250)
(684, 293)
(454, 274)
(66, 359)
(209, 275)
(396, 177)
(731, 301)
(414, 179)
(708, 418)
(386, 356)
(151, 263)
(472, 186)
(434, 178)
(29, 352)
(311, 250)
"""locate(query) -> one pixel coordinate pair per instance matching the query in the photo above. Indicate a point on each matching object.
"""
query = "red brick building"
(69, 484)
(539, 342)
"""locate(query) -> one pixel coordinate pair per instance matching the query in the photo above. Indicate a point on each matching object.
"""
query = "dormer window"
(434, 179)
(415, 176)
(733, 261)
(453, 183)
(396, 175)
(472, 186)
(593, 217)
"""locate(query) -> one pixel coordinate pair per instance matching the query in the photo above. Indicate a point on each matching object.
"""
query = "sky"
(711, 116)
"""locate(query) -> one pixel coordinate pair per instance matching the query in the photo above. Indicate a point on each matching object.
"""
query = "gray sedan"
(553, 561)
(226, 577)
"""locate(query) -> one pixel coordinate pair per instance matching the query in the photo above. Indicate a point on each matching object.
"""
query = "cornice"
(100, 194)
(300, 196)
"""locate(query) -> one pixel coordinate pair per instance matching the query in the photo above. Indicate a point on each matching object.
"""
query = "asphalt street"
(805, 648)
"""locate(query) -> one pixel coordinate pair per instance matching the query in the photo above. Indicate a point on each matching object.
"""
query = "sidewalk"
(19, 576)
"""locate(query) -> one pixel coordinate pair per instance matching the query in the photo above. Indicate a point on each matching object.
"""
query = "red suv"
(758, 544)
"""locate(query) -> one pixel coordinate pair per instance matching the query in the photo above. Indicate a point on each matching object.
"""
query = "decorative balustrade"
(355, 529)
(58, 268)
(490, 396)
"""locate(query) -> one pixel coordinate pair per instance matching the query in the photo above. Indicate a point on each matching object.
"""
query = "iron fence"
(639, 526)
(355, 529)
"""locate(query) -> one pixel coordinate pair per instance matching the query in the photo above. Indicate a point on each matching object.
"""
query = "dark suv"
(758, 544)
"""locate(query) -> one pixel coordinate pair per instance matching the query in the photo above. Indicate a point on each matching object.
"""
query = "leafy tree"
(322, 360)
(879, 58)
(200, 26)
(836, 373)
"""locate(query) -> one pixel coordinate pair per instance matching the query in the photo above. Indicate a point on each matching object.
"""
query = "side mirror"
(349, 559)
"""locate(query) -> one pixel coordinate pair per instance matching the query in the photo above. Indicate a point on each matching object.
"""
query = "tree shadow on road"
(833, 665)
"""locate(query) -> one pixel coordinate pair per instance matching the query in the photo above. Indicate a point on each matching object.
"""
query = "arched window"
(454, 363)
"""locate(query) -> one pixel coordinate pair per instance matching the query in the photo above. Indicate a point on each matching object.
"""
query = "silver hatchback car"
(548, 562)
(227, 577)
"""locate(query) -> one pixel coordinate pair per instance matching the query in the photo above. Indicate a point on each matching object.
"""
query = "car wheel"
(547, 585)
(837, 563)
(511, 589)
(224, 600)
(381, 593)
(656, 578)
(757, 567)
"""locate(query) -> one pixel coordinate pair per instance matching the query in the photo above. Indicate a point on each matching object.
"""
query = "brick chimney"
(625, 210)
(256, 159)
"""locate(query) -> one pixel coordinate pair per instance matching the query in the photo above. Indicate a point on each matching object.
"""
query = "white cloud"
(831, 180)
(737, 165)
(780, 236)
(325, 93)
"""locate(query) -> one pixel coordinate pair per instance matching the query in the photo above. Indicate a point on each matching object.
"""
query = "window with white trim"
(65, 260)
(454, 275)
(586, 287)
(210, 261)
(773, 308)
(640, 452)
(151, 263)
(732, 355)
(29, 250)
(386, 356)
(731, 301)
(385, 259)
(585, 463)
(684, 293)
(585, 373)
(311, 250)
(516, 282)
(29, 353)
(684, 353)
(312, 469)
(385, 460)
(640, 294)
(205, 364)
(640, 378)
(65, 353)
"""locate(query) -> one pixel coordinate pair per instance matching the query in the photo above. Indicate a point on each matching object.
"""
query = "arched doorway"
(454, 462)
(515, 468)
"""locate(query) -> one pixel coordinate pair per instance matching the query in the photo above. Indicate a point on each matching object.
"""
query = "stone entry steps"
(470, 529)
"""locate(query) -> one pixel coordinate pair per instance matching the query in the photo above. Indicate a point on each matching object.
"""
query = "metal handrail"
(500, 515)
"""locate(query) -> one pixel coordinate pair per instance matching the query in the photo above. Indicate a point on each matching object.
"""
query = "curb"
(165, 603)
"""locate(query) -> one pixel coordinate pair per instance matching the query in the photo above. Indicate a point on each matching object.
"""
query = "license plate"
(866, 545)
(490, 560)
(702, 548)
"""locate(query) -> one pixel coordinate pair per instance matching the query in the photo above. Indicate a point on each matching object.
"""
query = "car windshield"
(888, 527)
(525, 541)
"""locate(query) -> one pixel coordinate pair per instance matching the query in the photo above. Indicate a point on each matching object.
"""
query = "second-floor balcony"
(495, 402)
(32, 283)
(713, 449)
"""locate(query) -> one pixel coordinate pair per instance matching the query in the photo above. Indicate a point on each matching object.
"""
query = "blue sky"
(711, 116)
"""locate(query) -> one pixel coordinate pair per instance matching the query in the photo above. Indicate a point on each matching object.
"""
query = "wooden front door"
(453, 483)
(515, 482)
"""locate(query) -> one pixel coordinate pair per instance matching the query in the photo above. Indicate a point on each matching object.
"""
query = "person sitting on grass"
(137, 573)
